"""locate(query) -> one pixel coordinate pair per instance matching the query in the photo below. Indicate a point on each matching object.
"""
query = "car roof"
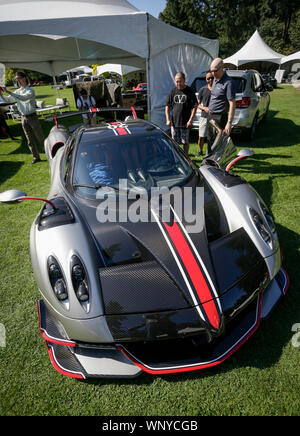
(231, 73)
(240, 73)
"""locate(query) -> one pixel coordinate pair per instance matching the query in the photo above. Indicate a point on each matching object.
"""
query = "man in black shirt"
(203, 103)
(183, 104)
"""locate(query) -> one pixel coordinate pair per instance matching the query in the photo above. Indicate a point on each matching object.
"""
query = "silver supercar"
(122, 297)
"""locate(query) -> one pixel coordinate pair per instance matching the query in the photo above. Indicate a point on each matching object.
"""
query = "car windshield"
(142, 160)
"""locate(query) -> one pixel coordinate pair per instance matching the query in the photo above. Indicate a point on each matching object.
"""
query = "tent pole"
(54, 78)
(148, 70)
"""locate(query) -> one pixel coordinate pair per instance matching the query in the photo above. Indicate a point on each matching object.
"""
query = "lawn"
(262, 378)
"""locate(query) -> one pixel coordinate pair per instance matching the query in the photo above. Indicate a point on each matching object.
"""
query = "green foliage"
(234, 22)
(9, 76)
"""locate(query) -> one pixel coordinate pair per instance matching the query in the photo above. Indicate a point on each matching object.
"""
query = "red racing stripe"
(122, 131)
(195, 273)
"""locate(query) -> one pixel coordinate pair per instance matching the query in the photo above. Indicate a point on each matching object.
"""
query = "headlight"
(79, 280)
(268, 217)
(57, 279)
(260, 226)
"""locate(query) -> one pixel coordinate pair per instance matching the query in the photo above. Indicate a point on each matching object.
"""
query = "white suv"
(252, 100)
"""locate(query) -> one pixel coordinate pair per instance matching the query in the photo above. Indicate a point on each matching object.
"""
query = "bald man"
(222, 100)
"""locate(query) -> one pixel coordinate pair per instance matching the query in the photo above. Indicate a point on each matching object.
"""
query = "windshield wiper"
(82, 185)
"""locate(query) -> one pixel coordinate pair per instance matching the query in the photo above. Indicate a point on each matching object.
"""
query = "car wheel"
(252, 130)
(266, 113)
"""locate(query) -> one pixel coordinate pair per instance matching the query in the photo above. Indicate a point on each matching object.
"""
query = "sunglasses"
(209, 78)
(214, 71)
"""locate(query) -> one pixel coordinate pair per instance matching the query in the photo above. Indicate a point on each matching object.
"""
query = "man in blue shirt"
(222, 100)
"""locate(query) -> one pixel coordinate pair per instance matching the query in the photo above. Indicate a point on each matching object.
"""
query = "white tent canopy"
(122, 70)
(51, 36)
(84, 68)
(291, 57)
(254, 50)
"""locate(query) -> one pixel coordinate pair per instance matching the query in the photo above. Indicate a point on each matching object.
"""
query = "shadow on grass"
(274, 132)
(8, 169)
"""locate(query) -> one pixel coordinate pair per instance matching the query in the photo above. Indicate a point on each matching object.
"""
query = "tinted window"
(198, 84)
(238, 84)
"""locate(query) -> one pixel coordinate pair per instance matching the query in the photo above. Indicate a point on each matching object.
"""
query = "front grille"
(199, 348)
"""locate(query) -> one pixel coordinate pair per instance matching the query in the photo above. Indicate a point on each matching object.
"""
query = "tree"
(234, 22)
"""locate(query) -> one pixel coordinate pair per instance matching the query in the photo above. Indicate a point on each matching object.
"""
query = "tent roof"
(21, 10)
(291, 57)
(254, 50)
(53, 35)
(122, 70)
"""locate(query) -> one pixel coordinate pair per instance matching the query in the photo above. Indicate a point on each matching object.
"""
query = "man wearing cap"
(24, 97)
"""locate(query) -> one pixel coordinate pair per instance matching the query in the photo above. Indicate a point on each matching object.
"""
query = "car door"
(261, 94)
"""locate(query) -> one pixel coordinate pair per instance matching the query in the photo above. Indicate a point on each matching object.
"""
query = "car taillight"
(245, 102)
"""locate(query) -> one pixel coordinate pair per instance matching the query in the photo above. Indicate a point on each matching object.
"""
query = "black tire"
(266, 113)
(252, 130)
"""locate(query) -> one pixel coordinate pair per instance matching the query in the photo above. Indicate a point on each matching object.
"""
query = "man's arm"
(193, 113)
(7, 98)
(29, 94)
(231, 112)
(167, 113)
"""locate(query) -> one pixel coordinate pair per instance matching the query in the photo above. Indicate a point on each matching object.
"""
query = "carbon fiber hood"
(150, 268)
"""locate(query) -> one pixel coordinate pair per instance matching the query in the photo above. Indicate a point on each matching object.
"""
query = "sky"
(154, 7)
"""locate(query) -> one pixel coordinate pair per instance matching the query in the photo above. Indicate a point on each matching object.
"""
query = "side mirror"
(12, 196)
(15, 196)
(242, 154)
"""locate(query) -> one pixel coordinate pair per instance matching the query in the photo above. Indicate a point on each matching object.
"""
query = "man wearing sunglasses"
(222, 101)
(203, 103)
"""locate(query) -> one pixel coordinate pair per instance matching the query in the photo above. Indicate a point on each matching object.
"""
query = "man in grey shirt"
(25, 100)
(222, 100)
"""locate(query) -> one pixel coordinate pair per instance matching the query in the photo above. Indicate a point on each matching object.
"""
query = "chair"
(62, 103)
(13, 112)
(40, 104)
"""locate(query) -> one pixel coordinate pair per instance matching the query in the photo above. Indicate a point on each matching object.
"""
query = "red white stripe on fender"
(193, 271)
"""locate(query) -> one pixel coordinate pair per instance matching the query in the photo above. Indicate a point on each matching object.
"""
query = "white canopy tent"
(255, 50)
(291, 57)
(84, 68)
(122, 70)
(52, 36)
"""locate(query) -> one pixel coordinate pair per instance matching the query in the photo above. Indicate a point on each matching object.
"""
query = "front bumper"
(130, 359)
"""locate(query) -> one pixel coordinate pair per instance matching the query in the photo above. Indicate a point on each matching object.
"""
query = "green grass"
(262, 378)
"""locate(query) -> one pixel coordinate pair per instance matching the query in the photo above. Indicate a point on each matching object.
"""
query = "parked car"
(122, 297)
(140, 87)
(252, 100)
(269, 80)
